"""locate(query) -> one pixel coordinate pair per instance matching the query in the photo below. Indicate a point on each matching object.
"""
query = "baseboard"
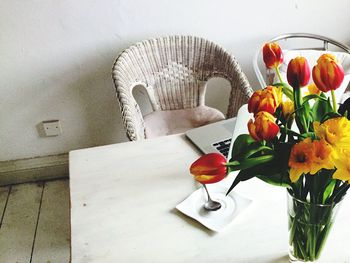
(34, 169)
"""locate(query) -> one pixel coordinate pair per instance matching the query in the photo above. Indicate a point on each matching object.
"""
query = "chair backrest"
(324, 44)
(174, 71)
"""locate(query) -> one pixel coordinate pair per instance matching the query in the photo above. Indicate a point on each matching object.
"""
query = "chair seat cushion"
(159, 123)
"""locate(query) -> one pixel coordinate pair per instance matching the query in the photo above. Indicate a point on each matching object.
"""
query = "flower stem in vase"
(309, 226)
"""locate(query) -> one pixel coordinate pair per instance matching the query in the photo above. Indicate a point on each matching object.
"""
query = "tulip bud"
(327, 74)
(272, 55)
(298, 72)
(287, 108)
(209, 168)
(264, 127)
(267, 99)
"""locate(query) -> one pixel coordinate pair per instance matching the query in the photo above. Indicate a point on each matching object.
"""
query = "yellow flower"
(322, 156)
(312, 88)
(309, 157)
(336, 132)
(343, 167)
(287, 108)
(300, 159)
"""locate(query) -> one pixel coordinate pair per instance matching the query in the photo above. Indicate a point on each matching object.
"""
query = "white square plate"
(231, 206)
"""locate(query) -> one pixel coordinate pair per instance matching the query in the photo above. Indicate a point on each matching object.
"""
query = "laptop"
(217, 137)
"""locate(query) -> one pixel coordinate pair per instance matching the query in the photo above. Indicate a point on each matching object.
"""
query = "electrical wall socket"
(51, 128)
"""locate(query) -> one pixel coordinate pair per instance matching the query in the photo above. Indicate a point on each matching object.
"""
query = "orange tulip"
(264, 127)
(327, 74)
(210, 168)
(267, 99)
(272, 55)
(298, 72)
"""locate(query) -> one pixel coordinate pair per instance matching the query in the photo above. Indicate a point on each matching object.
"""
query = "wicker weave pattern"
(174, 70)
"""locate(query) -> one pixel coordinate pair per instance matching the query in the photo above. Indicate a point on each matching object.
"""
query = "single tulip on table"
(208, 169)
(213, 167)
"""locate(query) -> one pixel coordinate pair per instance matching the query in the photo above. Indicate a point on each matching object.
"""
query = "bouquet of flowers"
(298, 140)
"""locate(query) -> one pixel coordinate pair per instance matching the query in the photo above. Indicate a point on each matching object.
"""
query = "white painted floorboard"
(19, 223)
(35, 227)
(4, 191)
(52, 242)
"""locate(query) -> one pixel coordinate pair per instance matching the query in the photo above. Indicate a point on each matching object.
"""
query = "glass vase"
(309, 225)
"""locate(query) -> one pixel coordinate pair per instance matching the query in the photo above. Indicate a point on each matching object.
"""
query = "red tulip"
(210, 168)
(298, 72)
(272, 55)
(327, 74)
(264, 127)
(267, 99)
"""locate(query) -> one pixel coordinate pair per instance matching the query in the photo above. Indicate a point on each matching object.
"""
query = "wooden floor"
(34, 223)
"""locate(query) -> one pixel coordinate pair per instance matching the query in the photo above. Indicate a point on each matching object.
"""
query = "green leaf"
(247, 166)
(240, 144)
(330, 115)
(276, 179)
(249, 162)
(272, 168)
(269, 172)
(321, 108)
(243, 175)
(329, 190)
(338, 192)
(254, 149)
(276, 172)
(313, 96)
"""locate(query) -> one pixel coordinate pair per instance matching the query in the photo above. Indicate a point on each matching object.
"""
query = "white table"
(123, 200)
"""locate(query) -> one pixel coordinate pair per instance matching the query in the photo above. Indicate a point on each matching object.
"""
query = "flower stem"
(278, 74)
(300, 115)
(334, 101)
(289, 131)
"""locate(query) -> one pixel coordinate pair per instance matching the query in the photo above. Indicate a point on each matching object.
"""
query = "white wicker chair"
(174, 71)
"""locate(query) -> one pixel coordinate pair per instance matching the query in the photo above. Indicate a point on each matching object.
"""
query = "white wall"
(56, 56)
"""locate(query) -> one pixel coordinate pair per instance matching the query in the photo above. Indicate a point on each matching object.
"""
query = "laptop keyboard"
(223, 146)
